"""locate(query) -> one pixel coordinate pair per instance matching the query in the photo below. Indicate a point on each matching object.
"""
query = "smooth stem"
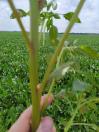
(44, 32)
(61, 44)
(32, 48)
(87, 101)
(34, 43)
(48, 95)
(53, 81)
(93, 126)
(59, 58)
(25, 35)
(41, 31)
(70, 122)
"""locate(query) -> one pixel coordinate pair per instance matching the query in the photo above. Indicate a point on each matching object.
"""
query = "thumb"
(46, 125)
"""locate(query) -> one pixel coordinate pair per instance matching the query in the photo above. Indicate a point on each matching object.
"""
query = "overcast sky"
(89, 16)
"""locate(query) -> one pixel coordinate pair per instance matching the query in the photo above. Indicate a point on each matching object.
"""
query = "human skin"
(23, 124)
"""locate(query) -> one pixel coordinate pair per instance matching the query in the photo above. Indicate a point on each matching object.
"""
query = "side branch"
(61, 44)
(12, 6)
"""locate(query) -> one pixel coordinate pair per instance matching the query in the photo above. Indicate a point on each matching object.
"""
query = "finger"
(23, 123)
(46, 125)
(27, 114)
(54, 129)
(49, 100)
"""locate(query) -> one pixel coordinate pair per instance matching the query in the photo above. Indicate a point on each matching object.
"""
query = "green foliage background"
(14, 82)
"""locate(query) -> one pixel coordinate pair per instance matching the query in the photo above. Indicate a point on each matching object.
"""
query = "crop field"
(14, 83)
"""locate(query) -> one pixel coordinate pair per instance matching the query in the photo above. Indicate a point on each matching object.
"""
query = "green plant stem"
(70, 122)
(93, 126)
(59, 58)
(20, 23)
(32, 48)
(44, 32)
(61, 44)
(34, 43)
(87, 101)
(53, 81)
(41, 31)
(49, 93)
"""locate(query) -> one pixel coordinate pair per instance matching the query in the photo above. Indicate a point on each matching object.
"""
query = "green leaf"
(69, 15)
(49, 6)
(61, 71)
(43, 15)
(49, 24)
(89, 51)
(53, 33)
(54, 5)
(46, 15)
(56, 16)
(80, 86)
(21, 13)
(54, 42)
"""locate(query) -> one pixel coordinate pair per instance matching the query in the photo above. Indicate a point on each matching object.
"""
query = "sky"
(89, 16)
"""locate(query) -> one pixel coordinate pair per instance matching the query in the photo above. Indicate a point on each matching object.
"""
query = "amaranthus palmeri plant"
(32, 44)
